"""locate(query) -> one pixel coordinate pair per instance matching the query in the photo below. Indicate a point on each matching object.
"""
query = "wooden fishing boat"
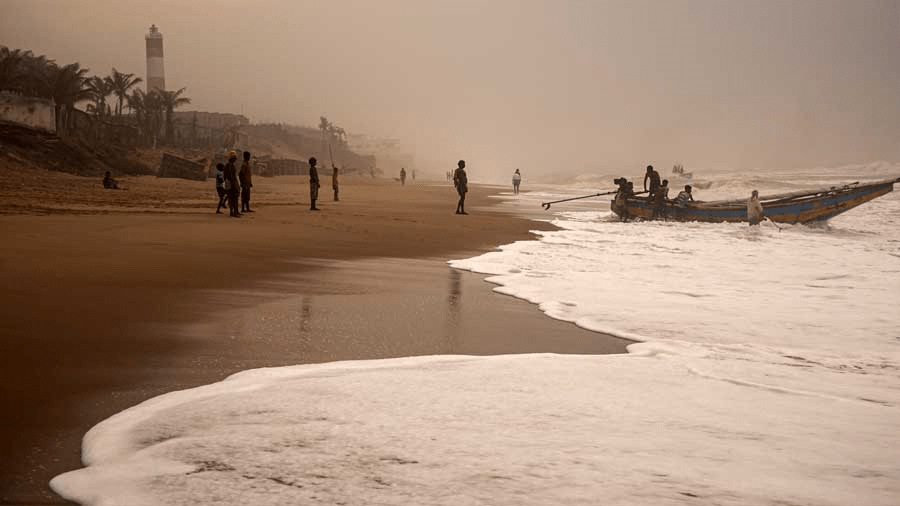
(796, 207)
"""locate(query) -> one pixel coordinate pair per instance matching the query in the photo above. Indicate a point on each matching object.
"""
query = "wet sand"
(112, 297)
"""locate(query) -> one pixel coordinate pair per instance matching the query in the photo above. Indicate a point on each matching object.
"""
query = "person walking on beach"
(402, 176)
(220, 187)
(313, 184)
(755, 213)
(246, 179)
(517, 178)
(232, 186)
(461, 182)
(653, 177)
(334, 181)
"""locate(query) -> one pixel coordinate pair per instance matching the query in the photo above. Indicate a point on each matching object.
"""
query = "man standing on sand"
(313, 184)
(517, 178)
(402, 176)
(334, 181)
(232, 185)
(220, 187)
(246, 177)
(754, 209)
(461, 182)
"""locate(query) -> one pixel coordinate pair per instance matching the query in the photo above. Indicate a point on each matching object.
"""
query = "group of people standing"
(233, 184)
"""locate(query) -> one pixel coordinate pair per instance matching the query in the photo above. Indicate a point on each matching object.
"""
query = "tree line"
(25, 73)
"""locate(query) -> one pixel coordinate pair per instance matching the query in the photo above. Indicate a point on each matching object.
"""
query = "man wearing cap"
(234, 187)
(313, 184)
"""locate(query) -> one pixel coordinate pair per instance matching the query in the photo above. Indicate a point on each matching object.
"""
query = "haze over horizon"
(549, 87)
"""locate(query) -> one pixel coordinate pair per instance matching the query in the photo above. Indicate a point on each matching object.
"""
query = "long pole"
(547, 204)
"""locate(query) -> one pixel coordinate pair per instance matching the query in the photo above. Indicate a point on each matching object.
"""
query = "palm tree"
(66, 86)
(99, 88)
(169, 101)
(121, 83)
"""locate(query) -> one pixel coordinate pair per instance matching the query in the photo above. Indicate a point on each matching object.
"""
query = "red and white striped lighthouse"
(156, 76)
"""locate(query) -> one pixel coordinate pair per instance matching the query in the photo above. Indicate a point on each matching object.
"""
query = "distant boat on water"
(796, 207)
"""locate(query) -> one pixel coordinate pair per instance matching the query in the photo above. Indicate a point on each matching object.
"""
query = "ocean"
(766, 371)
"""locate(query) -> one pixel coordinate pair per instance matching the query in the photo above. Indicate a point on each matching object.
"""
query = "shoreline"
(110, 308)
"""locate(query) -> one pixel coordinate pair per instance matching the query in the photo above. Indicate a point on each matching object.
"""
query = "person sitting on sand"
(461, 182)
(755, 213)
(109, 183)
(220, 186)
(684, 196)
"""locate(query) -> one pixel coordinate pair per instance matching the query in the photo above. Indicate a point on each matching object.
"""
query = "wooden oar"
(547, 204)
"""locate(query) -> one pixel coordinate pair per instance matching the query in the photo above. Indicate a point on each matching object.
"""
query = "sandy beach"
(113, 297)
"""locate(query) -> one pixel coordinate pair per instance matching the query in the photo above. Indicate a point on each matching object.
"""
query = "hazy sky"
(562, 86)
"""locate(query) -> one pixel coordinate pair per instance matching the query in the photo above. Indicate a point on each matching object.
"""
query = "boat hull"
(795, 208)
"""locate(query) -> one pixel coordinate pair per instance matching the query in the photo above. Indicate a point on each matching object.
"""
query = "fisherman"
(313, 184)
(659, 198)
(402, 176)
(461, 182)
(626, 190)
(334, 181)
(220, 187)
(684, 196)
(246, 179)
(232, 186)
(653, 178)
(517, 178)
(754, 209)
(109, 183)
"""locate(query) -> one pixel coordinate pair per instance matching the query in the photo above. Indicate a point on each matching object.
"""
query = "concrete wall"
(37, 113)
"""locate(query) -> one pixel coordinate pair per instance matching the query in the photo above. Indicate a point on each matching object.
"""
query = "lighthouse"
(156, 76)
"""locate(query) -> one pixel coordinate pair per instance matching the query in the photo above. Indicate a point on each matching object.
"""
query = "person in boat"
(684, 196)
(754, 209)
(653, 178)
(659, 199)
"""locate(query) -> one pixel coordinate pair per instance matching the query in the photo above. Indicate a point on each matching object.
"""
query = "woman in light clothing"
(517, 178)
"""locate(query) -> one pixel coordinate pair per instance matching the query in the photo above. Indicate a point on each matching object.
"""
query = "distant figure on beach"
(754, 209)
(246, 179)
(653, 177)
(684, 196)
(517, 178)
(232, 186)
(414, 174)
(334, 181)
(461, 182)
(313, 184)
(220, 187)
(402, 176)
(109, 183)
